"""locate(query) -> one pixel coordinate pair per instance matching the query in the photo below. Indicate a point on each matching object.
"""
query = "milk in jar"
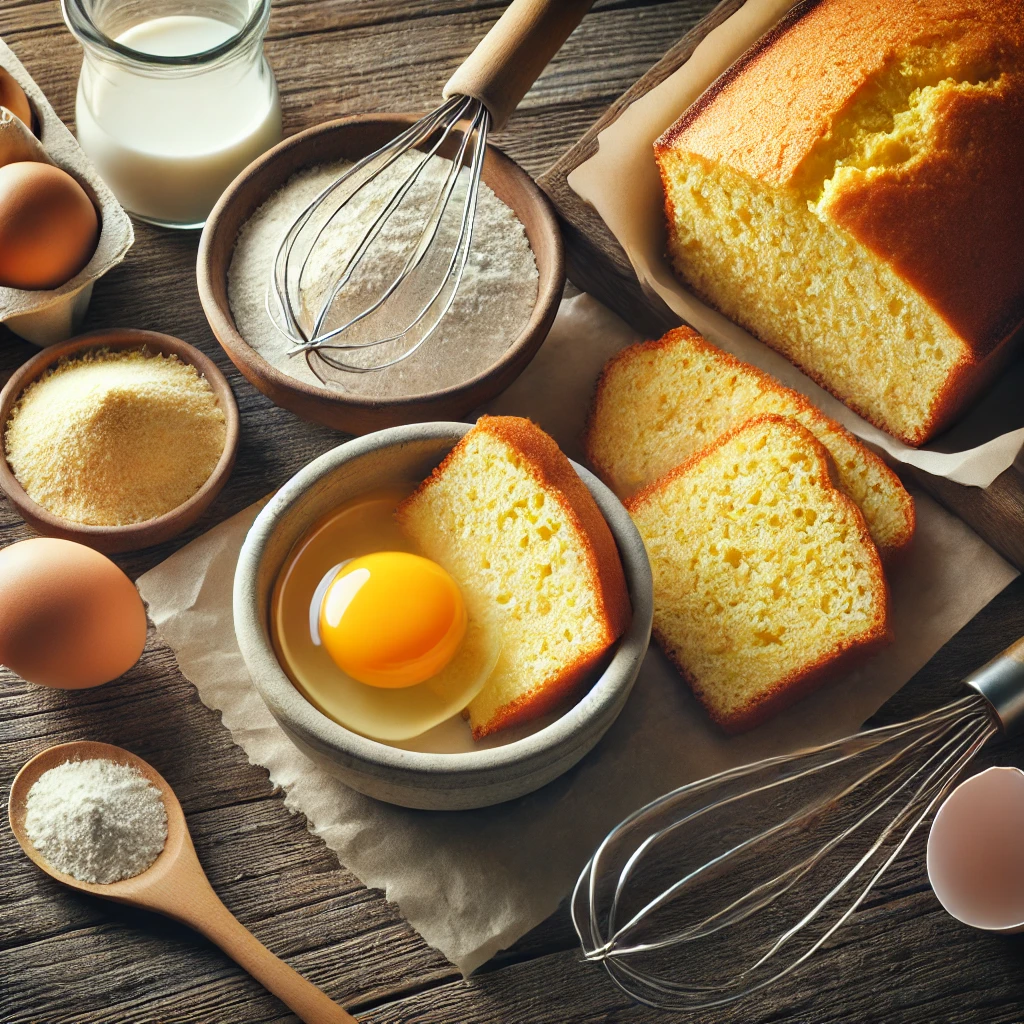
(172, 107)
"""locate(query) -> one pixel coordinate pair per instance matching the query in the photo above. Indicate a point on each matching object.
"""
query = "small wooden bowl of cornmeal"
(124, 455)
(501, 314)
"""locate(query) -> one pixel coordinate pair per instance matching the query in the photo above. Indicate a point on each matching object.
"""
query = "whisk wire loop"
(418, 318)
(456, 264)
(771, 889)
(866, 741)
(945, 774)
(377, 225)
(661, 902)
(411, 137)
(284, 285)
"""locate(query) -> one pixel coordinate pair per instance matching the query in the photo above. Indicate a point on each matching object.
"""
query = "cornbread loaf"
(658, 402)
(507, 516)
(765, 576)
(850, 192)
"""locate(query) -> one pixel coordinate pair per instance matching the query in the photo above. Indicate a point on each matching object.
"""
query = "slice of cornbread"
(850, 192)
(506, 514)
(765, 576)
(658, 402)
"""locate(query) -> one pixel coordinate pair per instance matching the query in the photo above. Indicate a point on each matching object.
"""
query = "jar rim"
(88, 33)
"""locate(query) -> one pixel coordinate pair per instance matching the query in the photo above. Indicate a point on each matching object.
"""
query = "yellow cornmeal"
(115, 437)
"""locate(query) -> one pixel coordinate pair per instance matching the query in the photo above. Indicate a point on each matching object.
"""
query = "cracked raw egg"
(392, 619)
(376, 636)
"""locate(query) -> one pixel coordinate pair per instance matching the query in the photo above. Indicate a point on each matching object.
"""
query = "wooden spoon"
(175, 885)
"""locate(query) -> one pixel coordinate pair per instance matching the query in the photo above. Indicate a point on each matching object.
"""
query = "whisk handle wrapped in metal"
(508, 60)
(1001, 683)
(727, 884)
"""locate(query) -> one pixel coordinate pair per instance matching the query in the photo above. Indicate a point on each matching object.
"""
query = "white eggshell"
(976, 851)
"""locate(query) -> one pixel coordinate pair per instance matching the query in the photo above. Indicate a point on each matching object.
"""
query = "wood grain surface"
(71, 959)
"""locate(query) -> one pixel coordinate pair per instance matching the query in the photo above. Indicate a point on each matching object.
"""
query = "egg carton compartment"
(48, 316)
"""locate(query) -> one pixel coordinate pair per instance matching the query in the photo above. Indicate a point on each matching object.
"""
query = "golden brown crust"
(687, 335)
(548, 465)
(967, 383)
(951, 224)
(544, 698)
(784, 694)
(720, 92)
(845, 653)
(949, 220)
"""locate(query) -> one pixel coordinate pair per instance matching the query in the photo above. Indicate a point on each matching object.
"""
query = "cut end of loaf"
(864, 219)
(805, 287)
(509, 518)
(765, 576)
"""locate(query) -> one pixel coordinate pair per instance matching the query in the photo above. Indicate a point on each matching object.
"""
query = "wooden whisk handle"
(508, 60)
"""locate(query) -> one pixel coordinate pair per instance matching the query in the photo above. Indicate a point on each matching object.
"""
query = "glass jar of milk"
(174, 99)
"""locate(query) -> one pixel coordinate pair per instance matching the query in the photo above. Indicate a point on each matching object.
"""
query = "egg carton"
(50, 315)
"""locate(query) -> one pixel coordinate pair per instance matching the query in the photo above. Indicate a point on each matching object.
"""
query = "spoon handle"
(222, 928)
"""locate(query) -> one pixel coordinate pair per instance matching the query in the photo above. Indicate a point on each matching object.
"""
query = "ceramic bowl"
(413, 778)
(115, 539)
(352, 138)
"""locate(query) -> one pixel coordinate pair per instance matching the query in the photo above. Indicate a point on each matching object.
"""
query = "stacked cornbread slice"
(660, 401)
(507, 515)
(765, 576)
(763, 520)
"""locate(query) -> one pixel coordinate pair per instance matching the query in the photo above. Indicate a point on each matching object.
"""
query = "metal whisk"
(401, 307)
(689, 904)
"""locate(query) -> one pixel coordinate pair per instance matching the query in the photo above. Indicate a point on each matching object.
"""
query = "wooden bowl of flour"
(350, 139)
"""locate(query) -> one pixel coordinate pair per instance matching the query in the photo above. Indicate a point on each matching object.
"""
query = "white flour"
(96, 820)
(491, 306)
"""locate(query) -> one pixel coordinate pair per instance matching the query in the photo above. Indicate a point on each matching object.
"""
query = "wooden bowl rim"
(137, 534)
(549, 286)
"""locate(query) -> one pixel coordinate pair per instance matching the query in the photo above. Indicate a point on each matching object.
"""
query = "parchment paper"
(472, 882)
(994, 430)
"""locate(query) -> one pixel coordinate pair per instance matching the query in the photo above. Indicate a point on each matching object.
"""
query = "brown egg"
(69, 617)
(13, 97)
(48, 226)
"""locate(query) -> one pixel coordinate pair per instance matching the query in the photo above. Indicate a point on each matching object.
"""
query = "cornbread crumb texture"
(765, 576)
(658, 402)
(115, 437)
(864, 218)
(508, 517)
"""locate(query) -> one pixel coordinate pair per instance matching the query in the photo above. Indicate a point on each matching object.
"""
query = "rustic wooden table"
(66, 958)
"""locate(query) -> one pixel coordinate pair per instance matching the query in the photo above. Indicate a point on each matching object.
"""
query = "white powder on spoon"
(96, 820)
(491, 306)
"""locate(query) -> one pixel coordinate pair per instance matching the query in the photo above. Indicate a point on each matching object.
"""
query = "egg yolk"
(392, 619)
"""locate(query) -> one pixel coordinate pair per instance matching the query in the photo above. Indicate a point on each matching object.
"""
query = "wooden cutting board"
(597, 264)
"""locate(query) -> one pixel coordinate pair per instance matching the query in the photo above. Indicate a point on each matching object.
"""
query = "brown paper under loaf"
(472, 882)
